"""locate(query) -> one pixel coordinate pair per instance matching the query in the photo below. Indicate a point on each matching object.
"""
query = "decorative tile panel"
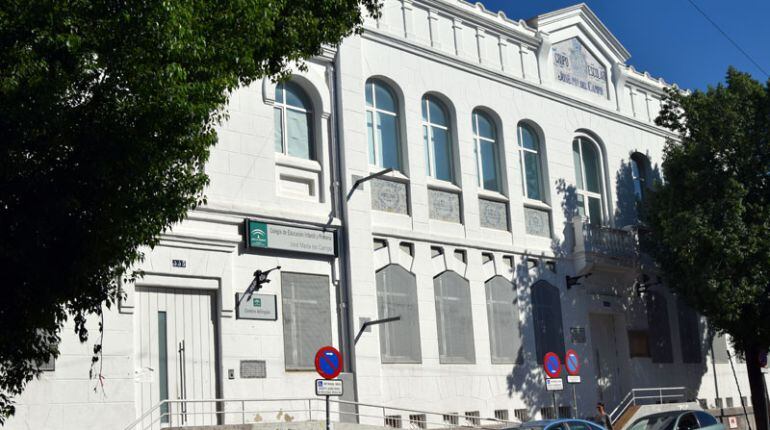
(493, 214)
(389, 196)
(538, 222)
(444, 205)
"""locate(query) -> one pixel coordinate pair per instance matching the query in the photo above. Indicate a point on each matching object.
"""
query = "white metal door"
(177, 353)
(605, 358)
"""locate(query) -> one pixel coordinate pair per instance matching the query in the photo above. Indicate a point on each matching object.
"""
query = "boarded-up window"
(306, 318)
(453, 319)
(638, 343)
(659, 329)
(546, 318)
(397, 296)
(689, 332)
(503, 317)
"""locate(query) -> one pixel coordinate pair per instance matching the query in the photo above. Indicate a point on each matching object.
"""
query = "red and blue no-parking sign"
(571, 362)
(552, 365)
(328, 362)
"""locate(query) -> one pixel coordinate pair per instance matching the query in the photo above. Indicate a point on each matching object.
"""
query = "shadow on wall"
(532, 276)
(632, 180)
(670, 341)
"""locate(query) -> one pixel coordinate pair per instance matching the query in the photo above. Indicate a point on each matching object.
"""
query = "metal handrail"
(310, 410)
(632, 397)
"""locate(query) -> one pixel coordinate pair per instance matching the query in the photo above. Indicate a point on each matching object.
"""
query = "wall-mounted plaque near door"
(256, 307)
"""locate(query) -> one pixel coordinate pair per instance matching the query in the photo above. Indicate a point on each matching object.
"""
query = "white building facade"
(517, 152)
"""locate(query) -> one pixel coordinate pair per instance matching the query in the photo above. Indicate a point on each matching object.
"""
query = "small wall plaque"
(179, 263)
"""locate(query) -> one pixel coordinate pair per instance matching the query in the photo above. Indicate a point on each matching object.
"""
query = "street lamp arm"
(360, 181)
(375, 322)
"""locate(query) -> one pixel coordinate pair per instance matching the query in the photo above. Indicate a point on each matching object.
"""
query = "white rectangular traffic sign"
(573, 379)
(328, 387)
(554, 384)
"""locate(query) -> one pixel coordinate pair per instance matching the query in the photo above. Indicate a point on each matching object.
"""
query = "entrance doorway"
(178, 347)
(604, 346)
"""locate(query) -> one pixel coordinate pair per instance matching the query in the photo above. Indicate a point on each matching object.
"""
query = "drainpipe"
(339, 207)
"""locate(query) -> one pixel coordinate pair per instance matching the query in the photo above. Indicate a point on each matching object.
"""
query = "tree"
(107, 114)
(710, 219)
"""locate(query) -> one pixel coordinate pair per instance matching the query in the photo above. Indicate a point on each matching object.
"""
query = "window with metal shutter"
(503, 318)
(397, 296)
(689, 332)
(453, 319)
(547, 319)
(306, 318)
(660, 331)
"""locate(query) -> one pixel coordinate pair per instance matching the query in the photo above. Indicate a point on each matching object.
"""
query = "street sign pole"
(555, 409)
(574, 399)
(572, 364)
(328, 424)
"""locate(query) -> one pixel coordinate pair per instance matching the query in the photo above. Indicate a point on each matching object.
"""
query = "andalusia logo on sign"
(258, 234)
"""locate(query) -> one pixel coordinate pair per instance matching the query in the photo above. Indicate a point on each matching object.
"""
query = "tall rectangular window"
(453, 319)
(690, 333)
(306, 318)
(660, 330)
(397, 296)
(503, 317)
(163, 365)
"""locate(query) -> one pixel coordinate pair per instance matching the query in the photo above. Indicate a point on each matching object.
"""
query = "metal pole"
(243, 412)
(746, 414)
(309, 410)
(328, 424)
(574, 399)
(555, 409)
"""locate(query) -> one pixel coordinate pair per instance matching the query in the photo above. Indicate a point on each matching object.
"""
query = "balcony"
(604, 249)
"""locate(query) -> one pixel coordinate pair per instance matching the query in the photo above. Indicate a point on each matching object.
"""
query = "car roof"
(543, 423)
(668, 413)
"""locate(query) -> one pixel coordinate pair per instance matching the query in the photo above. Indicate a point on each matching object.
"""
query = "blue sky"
(671, 39)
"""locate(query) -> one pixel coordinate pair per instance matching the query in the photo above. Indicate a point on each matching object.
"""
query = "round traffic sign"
(328, 362)
(552, 365)
(571, 362)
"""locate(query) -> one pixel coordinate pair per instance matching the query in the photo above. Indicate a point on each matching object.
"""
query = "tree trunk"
(757, 386)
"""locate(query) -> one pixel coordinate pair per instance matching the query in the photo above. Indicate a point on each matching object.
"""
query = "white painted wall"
(472, 58)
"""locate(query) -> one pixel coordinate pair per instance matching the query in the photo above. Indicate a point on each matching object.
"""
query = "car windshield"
(531, 428)
(655, 422)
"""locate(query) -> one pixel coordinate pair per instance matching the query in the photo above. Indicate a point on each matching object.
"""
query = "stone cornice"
(480, 70)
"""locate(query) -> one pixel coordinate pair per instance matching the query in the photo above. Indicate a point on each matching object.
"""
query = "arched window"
(453, 318)
(546, 319)
(486, 150)
(531, 164)
(588, 175)
(382, 125)
(293, 121)
(660, 330)
(437, 139)
(640, 173)
(397, 296)
(503, 317)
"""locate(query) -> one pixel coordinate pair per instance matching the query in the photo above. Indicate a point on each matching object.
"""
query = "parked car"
(560, 424)
(678, 420)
